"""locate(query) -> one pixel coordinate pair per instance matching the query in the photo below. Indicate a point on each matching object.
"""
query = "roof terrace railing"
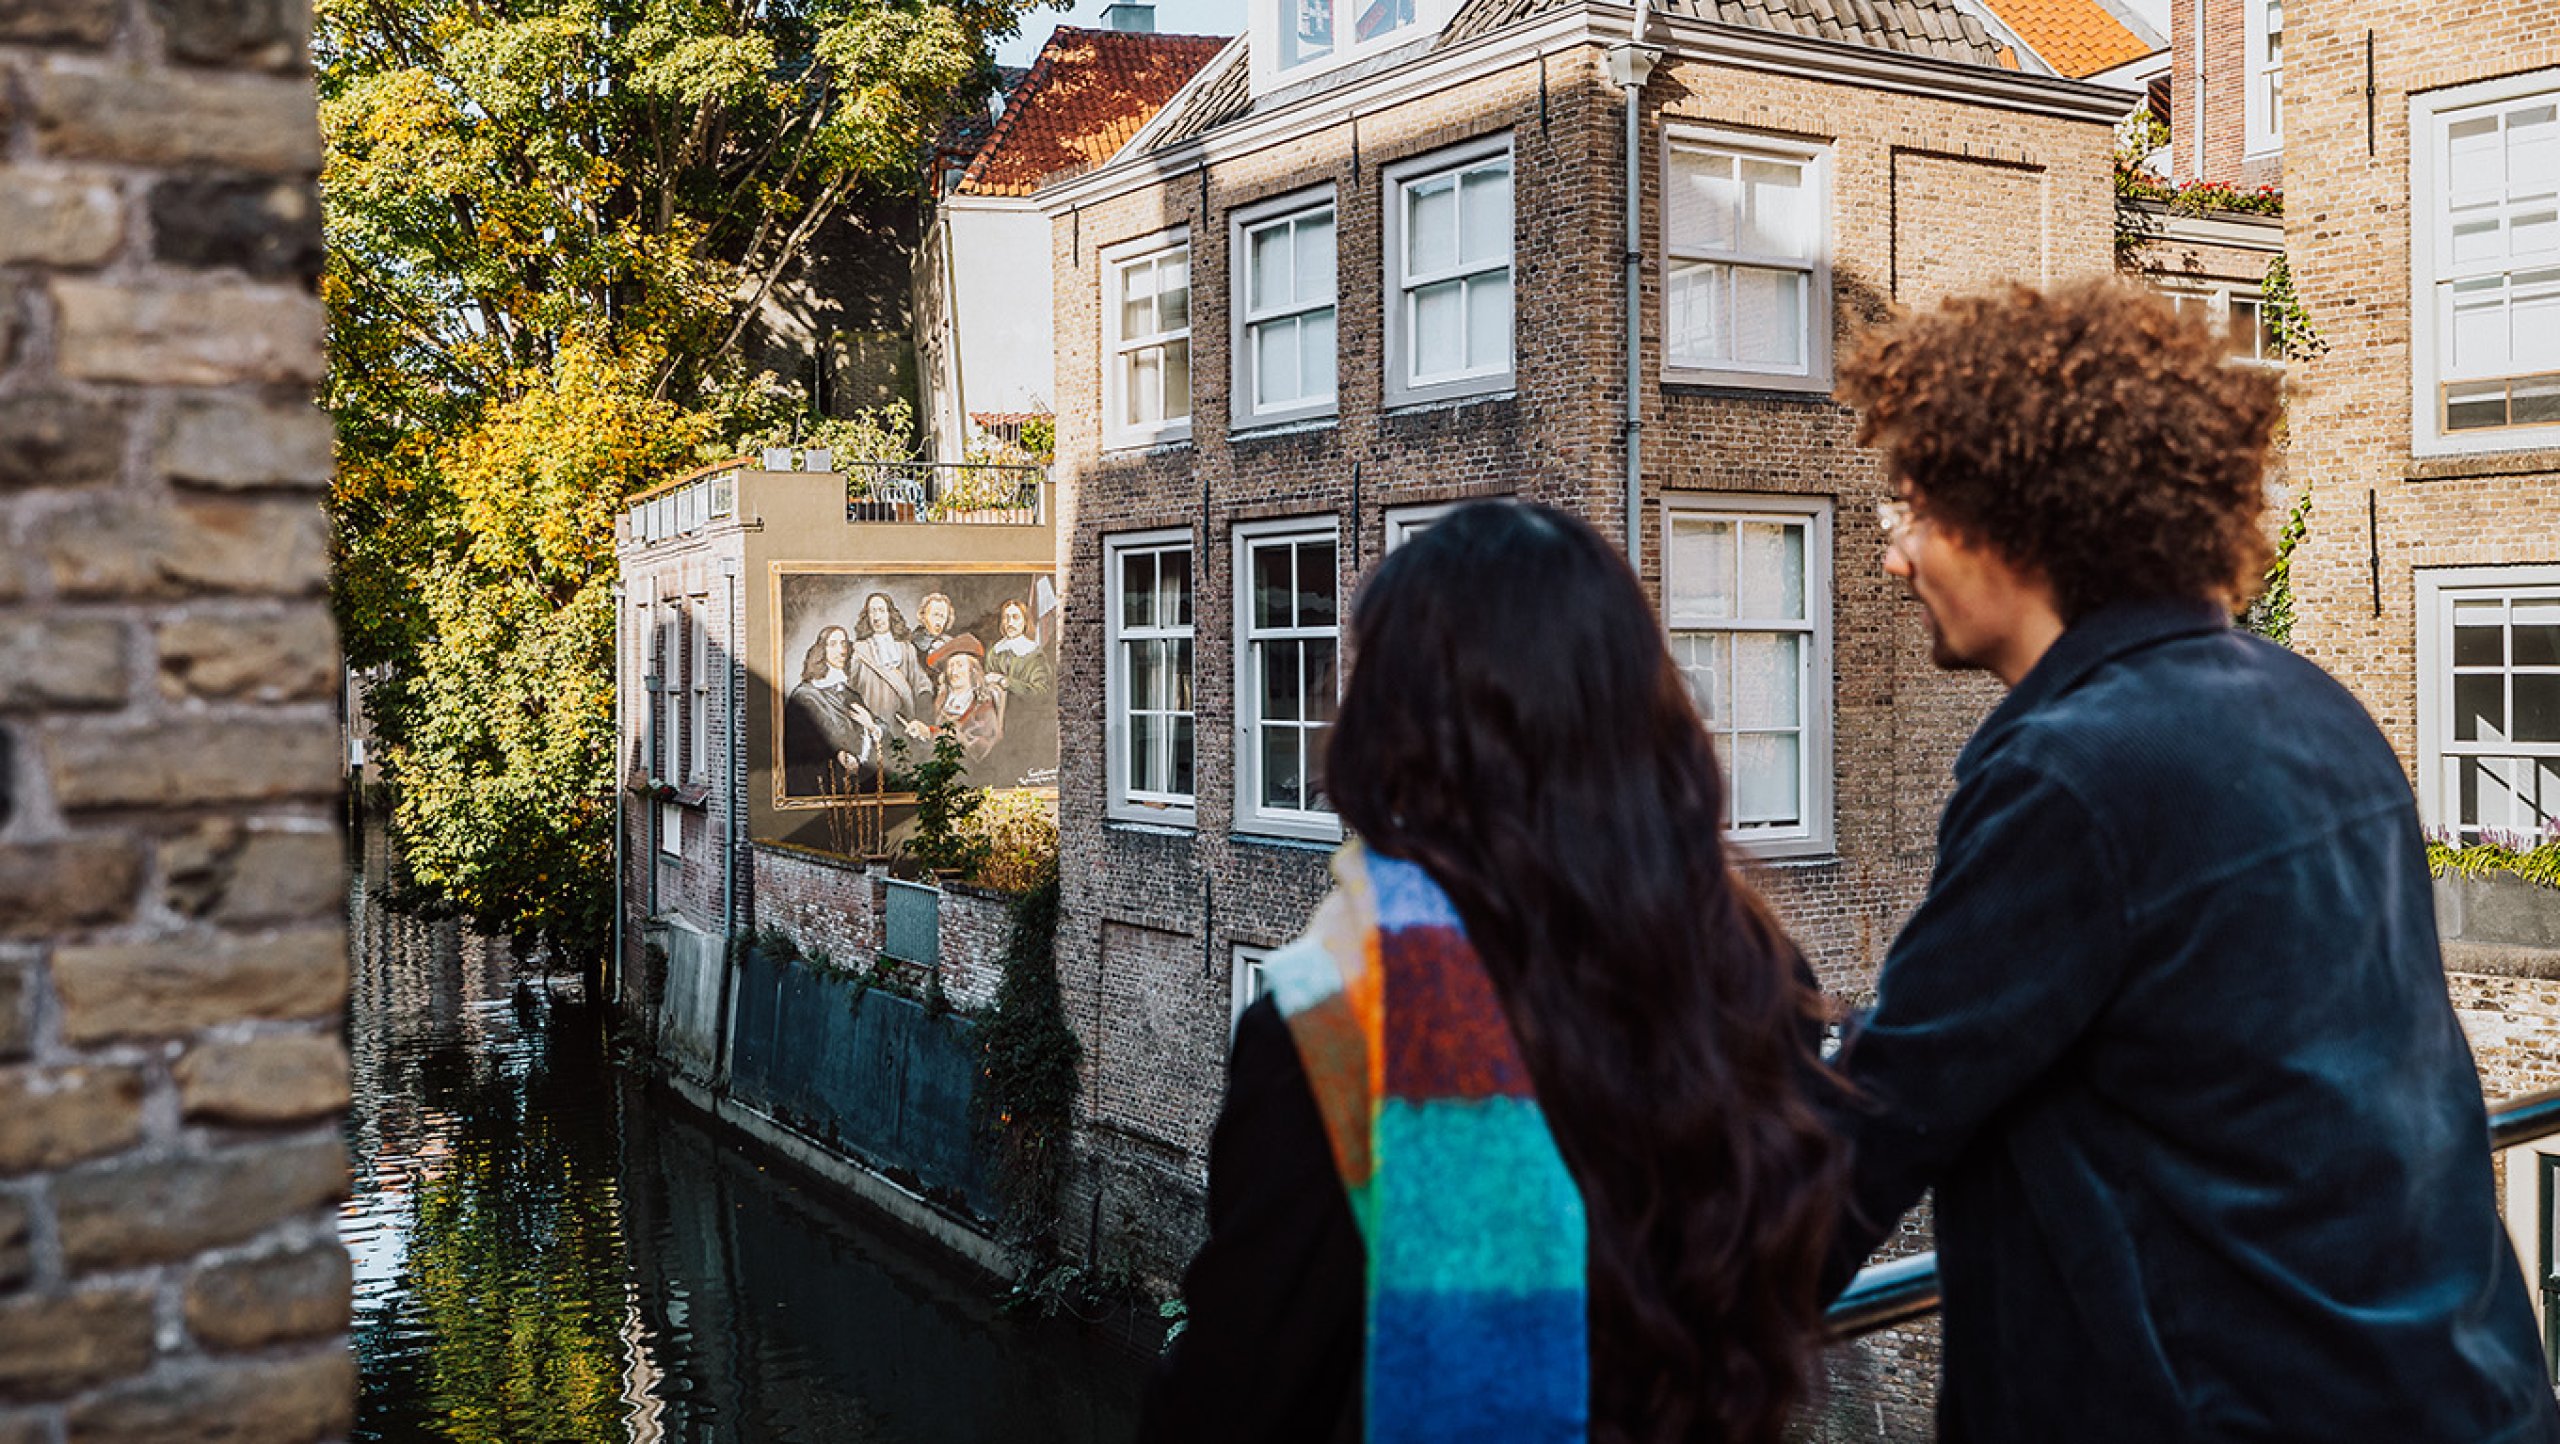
(1900, 1290)
(966, 493)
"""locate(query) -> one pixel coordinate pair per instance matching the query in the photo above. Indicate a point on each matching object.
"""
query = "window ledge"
(1284, 842)
(1125, 447)
(2529, 461)
(1736, 387)
(1424, 407)
(1290, 426)
(1171, 822)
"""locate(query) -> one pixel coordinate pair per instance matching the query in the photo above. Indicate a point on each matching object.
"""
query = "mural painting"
(873, 668)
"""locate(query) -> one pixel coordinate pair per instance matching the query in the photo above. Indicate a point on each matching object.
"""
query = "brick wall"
(2224, 123)
(172, 938)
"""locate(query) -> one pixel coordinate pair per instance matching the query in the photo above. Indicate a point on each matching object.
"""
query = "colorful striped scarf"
(1475, 1233)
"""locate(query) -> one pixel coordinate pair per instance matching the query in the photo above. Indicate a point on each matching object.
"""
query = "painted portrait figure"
(965, 704)
(885, 670)
(933, 626)
(825, 725)
(1016, 664)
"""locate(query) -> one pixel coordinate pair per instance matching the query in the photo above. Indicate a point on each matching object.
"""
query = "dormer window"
(1295, 39)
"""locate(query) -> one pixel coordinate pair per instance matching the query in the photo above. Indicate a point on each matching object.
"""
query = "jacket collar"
(2094, 640)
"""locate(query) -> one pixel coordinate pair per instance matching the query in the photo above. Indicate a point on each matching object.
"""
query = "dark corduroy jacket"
(2170, 1037)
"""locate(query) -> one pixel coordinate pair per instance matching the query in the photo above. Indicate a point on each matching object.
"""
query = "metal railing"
(1900, 1290)
(967, 493)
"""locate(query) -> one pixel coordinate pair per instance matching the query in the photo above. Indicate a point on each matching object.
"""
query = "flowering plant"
(2533, 856)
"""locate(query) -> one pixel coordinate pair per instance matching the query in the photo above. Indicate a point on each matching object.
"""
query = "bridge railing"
(1900, 1290)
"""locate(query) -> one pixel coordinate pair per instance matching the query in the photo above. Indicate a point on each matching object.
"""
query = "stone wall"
(172, 949)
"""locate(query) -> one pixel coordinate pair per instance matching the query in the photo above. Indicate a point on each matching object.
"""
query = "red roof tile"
(2076, 37)
(1086, 95)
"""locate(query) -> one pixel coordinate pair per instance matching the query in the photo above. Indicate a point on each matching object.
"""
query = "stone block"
(48, 439)
(238, 875)
(58, 221)
(207, 334)
(288, 658)
(267, 1401)
(50, 1117)
(58, 22)
(192, 760)
(178, 985)
(271, 1299)
(49, 889)
(54, 1346)
(14, 1262)
(133, 549)
(283, 1079)
(118, 1216)
(266, 34)
(233, 444)
(268, 124)
(52, 665)
(268, 227)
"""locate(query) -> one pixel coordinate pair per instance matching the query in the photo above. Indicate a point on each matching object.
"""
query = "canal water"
(546, 1250)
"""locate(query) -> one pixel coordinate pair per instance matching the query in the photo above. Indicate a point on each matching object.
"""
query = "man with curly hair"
(2169, 1033)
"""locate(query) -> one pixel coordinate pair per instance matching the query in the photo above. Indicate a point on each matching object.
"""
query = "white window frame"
(1290, 209)
(2431, 117)
(697, 758)
(2263, 109)
(1816, 834)
(1815, 374)
(2219, 302)
(2438, 589)
(1245, 986)
(1250, 815)
(671, 831)
(1269, 46)
(1117, 261)
(1122, 803)
(1401, 389)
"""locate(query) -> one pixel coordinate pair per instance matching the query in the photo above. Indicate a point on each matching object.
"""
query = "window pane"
(1268, 274)
(1315, 355)
(2479, 327)
(1315, 258)
(1484, 227)
(1380, 17)
(1137, 589)
(1275, 363)
(2531, 233)
(1322, 685)
(1438, 342)
(2468, 408)
(1705, 202)
(2479, 709)
(1693, 321)
(2533, 309)
(1766, 680)
(1151, 681)
(1283, 779)
(1772, 569)
(1703, 659)
(1173, 291)
(1310, 30)
(1779, 214)
(1277, 696)
(2537, 634)
(1701, 570)
(2478, 241)
(2473, 162)
(1766, 785)
(1173, 597)
(2478, 634)
(1431, 225)
(1137, 301)
(1315, 584)
(2533, 151)
(1177, 380)
(1768, 317)
(1142, 387)
(1489, 321)
(1271, 588)
(2537, 707)
(2533, 403)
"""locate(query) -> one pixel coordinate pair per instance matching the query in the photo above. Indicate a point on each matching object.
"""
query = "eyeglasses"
(1897, 519)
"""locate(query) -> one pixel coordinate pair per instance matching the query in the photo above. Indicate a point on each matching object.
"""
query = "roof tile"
(2078, 38)
(1086, 95)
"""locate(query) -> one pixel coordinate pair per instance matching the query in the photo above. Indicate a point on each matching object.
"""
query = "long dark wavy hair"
(1515, 726)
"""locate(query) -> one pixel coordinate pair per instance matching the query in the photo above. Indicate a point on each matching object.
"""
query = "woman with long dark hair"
(1521, 1145)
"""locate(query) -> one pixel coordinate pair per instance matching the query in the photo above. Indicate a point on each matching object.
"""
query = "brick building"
(740, 807)
(1314, 302)
(2423, 224)
(172, 928)
(2227, 91)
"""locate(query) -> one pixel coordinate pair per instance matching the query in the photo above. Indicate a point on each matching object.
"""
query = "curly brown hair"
(2089, 433)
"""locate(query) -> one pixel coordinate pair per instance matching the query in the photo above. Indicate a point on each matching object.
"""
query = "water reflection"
(544, 1253)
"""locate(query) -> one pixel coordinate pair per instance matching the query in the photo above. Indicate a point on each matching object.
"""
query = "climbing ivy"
(2285, 313)
(1027, 1082)
(2271, 615)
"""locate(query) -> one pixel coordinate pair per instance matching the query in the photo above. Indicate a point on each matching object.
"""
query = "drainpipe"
(730, 960)
(2195, 154)
(621, 781)
(1630, 65)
